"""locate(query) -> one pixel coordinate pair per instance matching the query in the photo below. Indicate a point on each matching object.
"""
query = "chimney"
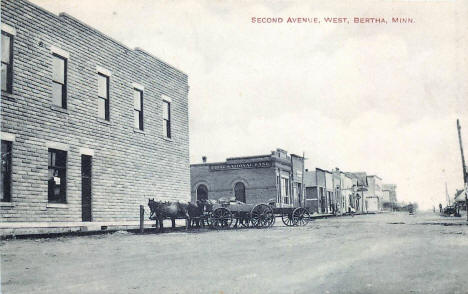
(203, 159)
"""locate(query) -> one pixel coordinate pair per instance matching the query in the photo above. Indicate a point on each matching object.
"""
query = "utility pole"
(303, 192)
(447, 194)
(465, 174)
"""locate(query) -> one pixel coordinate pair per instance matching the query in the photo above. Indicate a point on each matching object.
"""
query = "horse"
(163, 210)
(198, 212)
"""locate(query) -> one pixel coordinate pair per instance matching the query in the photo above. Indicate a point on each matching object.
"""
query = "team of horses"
(193, 213)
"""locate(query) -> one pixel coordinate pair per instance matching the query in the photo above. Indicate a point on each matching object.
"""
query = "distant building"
(389, 198)
(347, 193)
(360, 186)
(373, 195)
(318, 193)
(251, 179)
(459, 199)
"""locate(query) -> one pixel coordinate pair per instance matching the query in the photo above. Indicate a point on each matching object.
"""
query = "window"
(138, 109)
(285, 190)
(5, 179)
(167, 118)
(7, 62)
(57, 176)
(59, 81)
(278, 190)
(103, 96)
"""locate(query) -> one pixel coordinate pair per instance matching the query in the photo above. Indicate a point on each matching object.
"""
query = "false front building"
(90, 128)
(252, 179)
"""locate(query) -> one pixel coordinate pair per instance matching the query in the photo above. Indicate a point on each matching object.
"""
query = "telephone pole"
(447, 194)
(465, 174)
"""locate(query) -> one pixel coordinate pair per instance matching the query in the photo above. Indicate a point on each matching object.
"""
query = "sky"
(376, 97)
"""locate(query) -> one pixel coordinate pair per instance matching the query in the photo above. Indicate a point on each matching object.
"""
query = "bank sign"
(227, 166)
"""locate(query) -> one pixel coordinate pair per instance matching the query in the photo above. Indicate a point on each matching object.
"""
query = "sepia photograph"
(231, 147)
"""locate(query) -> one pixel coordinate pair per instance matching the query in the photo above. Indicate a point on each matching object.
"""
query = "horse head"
(154, 207)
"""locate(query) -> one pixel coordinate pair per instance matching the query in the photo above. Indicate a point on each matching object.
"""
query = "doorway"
(86, 164)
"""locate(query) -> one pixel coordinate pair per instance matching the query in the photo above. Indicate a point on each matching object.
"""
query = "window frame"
(64, 85)
(6, 178)
(167, 123)
(285, 193)
(9, 83)
(140, 111)
(107, 99)
(63, 186)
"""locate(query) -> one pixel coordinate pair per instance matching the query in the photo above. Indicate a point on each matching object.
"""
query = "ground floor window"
(285, 190)
(5, 178)
(57, 176)
(299, 193)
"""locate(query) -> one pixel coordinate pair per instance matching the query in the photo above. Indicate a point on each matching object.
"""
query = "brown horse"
(198, 212)
(163, 210)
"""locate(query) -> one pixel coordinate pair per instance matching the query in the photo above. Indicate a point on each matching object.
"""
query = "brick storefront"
(130, 162)
(252, 179)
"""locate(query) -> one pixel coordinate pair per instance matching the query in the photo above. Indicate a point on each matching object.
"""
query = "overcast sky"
(380, 98)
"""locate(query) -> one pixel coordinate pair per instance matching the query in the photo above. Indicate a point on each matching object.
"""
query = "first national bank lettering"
(224, 166)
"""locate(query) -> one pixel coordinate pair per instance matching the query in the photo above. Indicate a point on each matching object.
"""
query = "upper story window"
(138, 109)
(5, 179)
(103, 96)
(7, 62)
(57, 190)
(167, 119)
(59, 81)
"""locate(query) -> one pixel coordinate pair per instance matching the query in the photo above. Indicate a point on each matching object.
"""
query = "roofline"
(374, 176)
(324, 170)
(247, 157)
(62, 15)
(207, 164)
(136, 49)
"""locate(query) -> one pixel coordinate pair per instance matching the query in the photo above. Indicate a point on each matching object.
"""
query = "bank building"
(251, 179)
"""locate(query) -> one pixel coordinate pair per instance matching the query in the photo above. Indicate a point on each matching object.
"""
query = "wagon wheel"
(261, 216)
(221, 218)
(288, 219)
(301, 216)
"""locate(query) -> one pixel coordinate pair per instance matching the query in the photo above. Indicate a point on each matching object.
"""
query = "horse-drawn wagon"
(224, 214)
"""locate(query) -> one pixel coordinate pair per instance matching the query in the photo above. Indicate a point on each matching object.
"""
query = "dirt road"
(386, 253)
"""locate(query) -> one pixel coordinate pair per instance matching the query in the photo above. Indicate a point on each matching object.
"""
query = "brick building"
(251, 179)
(90, 128)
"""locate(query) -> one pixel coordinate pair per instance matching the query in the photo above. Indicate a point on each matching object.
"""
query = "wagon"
(293, 216)
(238, 214)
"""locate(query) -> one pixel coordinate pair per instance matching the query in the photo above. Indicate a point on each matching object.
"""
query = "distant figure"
(440, 207)
(433, 209)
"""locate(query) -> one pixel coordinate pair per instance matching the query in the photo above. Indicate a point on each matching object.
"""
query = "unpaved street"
(386, 253)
